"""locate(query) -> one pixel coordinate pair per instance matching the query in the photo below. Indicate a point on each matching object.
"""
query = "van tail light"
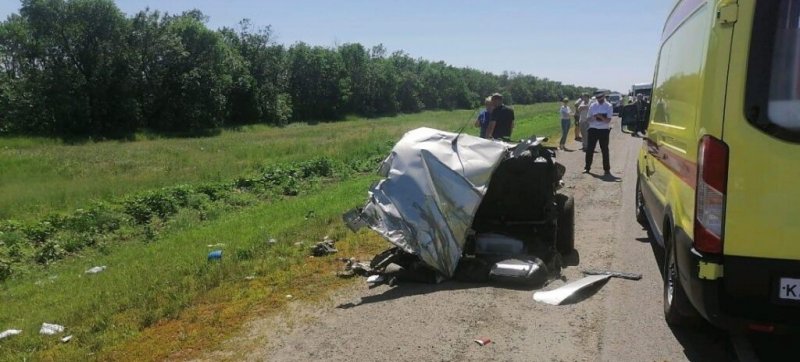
(712, 182)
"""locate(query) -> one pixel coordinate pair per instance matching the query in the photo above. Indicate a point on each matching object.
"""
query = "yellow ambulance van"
(719, 171)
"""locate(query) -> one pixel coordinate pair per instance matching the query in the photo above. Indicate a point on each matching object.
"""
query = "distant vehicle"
(717, 174)
(645, 89)
(616, 101)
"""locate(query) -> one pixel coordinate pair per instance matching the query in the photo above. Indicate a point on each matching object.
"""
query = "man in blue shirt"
(484, 117)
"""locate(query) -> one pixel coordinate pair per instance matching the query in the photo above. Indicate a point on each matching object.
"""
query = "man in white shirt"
(600, 114)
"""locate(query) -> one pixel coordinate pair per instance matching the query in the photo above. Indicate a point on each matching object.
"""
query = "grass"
(41, 176)
(160, 298)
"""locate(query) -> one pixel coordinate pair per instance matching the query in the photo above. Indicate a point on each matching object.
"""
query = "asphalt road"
(620, 321)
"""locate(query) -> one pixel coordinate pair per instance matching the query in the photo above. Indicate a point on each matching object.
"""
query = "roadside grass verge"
(160, 298)
(42, 176)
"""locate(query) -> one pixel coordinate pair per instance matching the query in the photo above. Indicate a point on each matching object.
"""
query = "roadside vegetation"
(78, 69)
(151, 210)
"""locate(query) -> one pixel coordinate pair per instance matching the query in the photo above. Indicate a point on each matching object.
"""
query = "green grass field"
(159, 297)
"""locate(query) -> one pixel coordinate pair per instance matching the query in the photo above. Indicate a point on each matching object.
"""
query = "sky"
(605, 44)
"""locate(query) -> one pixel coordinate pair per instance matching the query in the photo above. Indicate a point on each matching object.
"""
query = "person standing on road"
(502, 119)
(642, 113)
(565, 123)
(484, 117)
(600, 114)
(577, 117)
(583, 123)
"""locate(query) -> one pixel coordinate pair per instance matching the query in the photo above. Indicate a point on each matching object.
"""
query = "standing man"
(502, 120)
(484, 117)
(577, 117)
(583, 121)
(600, 114)
(642, 113)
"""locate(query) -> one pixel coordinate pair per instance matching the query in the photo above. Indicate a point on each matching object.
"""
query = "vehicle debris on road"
(563, 293)
(613, 274)
(483, 341)
(464, 207)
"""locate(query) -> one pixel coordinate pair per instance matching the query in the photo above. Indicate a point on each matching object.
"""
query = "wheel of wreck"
(565, 228)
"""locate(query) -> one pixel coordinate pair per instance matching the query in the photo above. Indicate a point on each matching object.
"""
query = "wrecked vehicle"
(459, 206)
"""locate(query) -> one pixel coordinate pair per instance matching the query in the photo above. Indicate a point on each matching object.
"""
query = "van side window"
(772, 101)
(678, 80)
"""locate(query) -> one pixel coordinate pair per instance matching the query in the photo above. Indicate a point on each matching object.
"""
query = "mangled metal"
(435, 203)
(565, 292)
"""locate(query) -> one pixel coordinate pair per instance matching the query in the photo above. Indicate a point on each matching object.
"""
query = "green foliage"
(81, 68)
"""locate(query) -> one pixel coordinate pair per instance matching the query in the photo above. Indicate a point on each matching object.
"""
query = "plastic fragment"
(51, 329)
(95, 270)
(9, 333)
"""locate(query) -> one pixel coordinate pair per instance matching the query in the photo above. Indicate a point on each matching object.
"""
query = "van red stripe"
(685, 169)
(685, 9)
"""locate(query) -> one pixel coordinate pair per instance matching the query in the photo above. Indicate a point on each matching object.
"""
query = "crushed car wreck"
(459, 206)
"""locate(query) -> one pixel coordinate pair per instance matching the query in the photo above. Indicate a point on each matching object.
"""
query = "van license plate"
(789, 289)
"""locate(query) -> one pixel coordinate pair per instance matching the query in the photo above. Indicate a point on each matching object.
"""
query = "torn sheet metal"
(434, 182)
(560, 294)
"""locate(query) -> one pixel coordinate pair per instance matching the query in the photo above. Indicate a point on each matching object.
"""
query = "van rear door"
(762, 131)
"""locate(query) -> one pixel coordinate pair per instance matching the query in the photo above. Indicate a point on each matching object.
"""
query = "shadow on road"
(409, 289)
(606, 178)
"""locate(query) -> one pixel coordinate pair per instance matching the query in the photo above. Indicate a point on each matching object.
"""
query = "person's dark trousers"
(601, 136)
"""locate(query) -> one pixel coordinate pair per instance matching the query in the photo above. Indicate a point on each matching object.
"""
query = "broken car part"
(519, 271)
(9, 333)
(560, 294)
(436, 193)
(613, 274)
(51, 329)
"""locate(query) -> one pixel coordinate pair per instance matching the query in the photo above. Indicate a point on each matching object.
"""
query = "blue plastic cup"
(215, 255)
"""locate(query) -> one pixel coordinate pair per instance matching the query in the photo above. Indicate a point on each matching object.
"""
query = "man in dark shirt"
(502, 122)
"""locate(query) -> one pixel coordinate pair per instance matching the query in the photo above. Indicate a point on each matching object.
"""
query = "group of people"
(496, 121)
(592, 119)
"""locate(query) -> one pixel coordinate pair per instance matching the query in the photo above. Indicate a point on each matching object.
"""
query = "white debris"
(272, 241)
(66, 339)
(372, 279)
(51, 329)
(288, 296)
(217, 245)
(9, 333)
(95, 270)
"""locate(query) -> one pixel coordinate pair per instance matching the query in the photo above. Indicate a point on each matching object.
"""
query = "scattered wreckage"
(463, 207)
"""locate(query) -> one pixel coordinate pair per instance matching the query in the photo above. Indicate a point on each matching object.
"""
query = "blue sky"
(608, 44)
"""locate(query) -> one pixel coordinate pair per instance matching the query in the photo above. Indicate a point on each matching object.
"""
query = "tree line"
(83, 68)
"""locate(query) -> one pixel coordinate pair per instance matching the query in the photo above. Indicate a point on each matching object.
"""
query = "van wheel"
(565, 231)
(678, 310)
(641, 217)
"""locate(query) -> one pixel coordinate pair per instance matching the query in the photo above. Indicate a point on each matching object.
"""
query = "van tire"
(641, 216)
(565, 228)
(678, 310)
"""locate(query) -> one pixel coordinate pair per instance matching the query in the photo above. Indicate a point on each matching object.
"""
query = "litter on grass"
(324, 247)
(9, 333)
(95, 270)
(51, 329)
(215, 255)
(66, 339)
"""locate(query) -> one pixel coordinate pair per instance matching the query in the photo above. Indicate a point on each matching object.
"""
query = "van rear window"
(773, 102)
